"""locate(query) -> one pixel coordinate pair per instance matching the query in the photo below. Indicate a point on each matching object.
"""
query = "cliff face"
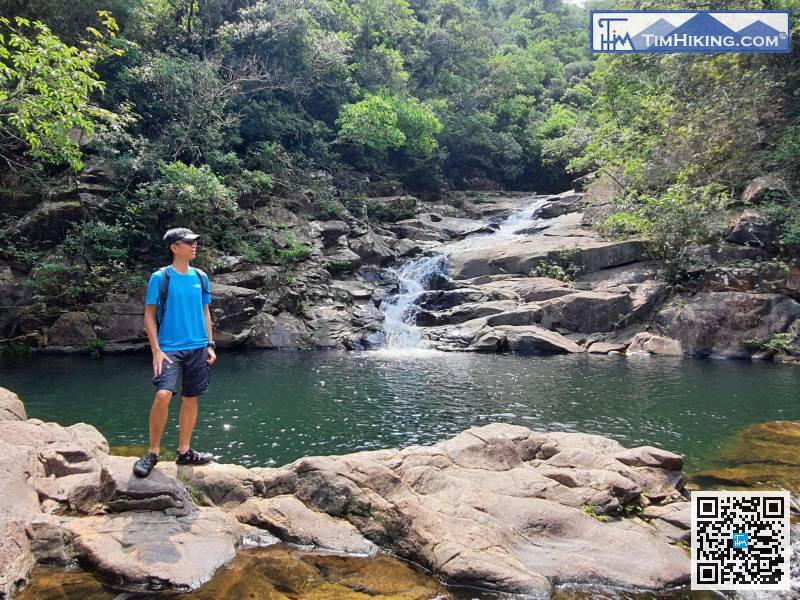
(498, 507)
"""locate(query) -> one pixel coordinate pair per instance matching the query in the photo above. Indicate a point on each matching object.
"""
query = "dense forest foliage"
(194, 108)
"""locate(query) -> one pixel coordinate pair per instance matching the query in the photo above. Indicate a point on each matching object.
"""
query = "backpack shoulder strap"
(162, 295)
(203, 280)
(164, 283)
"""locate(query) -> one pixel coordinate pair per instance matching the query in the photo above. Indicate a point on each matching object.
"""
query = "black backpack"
(162, 293)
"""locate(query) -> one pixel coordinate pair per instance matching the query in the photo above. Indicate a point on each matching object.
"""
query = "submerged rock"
(764, 456)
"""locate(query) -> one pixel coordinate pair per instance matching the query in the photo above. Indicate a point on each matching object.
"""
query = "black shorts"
(192, 364)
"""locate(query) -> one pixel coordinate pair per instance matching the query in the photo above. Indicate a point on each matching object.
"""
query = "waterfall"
(400, 310)
(414, 277)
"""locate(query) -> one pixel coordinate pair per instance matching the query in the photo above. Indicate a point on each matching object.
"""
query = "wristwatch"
(212, 345)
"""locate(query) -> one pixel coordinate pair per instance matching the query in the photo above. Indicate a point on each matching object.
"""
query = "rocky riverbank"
(555, 286)
(499, 507)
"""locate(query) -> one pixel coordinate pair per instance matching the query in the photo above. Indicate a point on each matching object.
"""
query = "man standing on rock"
(178, 324)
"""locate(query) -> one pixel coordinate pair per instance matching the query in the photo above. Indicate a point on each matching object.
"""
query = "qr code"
(740, 540)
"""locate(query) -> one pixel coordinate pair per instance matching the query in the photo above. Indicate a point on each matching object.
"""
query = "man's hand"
(212, 356)
(158, 359)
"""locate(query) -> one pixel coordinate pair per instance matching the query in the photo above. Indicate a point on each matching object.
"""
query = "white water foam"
(414, 277)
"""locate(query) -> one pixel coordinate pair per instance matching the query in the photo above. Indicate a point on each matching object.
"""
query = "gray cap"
(179, 233)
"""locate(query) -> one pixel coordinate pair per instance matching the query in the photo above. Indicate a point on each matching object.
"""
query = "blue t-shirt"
(184, 324)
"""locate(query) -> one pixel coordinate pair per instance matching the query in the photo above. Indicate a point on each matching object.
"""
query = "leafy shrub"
(294, 251)
(393, 210)
(188, 196)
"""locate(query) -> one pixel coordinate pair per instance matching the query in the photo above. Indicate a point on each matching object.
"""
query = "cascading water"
(400, 310)
(414, 277)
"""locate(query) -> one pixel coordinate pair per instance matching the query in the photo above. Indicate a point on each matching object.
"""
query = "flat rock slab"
(153, 552)
(587, 252)
(504, 508)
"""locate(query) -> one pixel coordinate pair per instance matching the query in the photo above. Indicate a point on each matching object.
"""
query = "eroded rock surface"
(498, 507)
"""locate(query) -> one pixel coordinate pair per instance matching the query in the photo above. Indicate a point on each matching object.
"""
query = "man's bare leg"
(159, 414)
(187, 420)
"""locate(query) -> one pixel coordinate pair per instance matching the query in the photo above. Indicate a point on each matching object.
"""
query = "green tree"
(46, 89)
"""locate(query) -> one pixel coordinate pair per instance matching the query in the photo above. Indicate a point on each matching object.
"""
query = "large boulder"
(117, 489)
(280, 331)
(373, 249)
(11, 407)
(72, 329)
(233, 311)
(527, 339)
(760, 189)
(651, 343)
(587, 312)
(725, 324)
(753, 229)
(560, 205)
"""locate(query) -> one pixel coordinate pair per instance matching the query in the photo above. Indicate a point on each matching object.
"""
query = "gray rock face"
(72, 329)
(11, 407)
(587, 311)
(761, 187)
(720, 323)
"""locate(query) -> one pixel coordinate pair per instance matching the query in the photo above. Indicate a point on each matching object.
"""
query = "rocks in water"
(526, 339)
(722, 324)
(150, 551)
(651, 343)
(72, 329)
(280, 331)
(292, 521)
(499, 507)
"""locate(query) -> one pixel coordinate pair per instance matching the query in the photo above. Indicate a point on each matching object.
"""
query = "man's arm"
(152, 335)
(212, 355)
